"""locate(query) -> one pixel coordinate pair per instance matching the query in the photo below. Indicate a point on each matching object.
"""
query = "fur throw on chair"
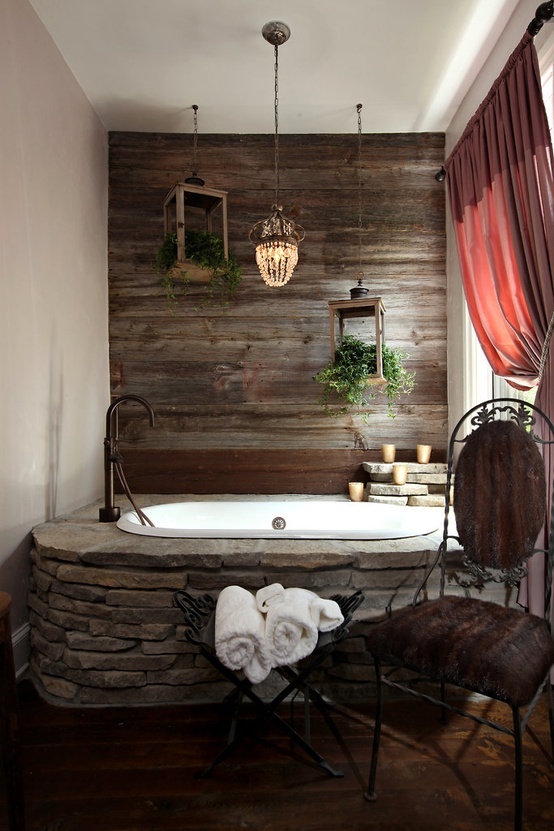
(497, 651)
(499, 495)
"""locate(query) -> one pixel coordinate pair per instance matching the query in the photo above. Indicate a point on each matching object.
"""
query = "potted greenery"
(347, 379)
(205, 253)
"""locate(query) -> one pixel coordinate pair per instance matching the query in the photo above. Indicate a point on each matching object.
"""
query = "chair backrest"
(499, 495)
(497, 471)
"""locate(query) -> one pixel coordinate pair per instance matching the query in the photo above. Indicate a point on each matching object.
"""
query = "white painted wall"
(464, 387)
(54, 376)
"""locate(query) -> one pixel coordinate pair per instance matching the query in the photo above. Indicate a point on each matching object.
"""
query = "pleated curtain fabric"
(501, 190)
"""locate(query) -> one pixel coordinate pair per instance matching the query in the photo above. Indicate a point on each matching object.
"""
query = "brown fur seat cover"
(499, 502)
(499, 494)
(500, 652)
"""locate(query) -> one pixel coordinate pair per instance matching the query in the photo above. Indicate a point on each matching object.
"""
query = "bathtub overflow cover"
(279, 523)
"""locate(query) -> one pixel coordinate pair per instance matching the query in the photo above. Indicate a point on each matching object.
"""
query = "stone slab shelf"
(424, 486)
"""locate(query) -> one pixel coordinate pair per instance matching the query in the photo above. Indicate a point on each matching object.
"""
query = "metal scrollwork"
(513, 576)
(196, 611)
(348, 605)
(521, 414)
(477, 576)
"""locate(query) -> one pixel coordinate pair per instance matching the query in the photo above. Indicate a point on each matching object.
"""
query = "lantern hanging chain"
(276, 106)
(195, 139)
(359, 109)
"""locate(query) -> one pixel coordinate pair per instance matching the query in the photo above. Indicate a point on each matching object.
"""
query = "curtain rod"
(544, 13)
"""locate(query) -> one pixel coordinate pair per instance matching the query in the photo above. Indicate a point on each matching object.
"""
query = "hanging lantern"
(189, 199)
(360, 306)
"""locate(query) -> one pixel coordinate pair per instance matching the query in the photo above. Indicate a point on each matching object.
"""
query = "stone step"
(429, 475)
(428, 478)
(419, 500)
(413, 467)
(390, 500)
(434, 484)
(437, 488)
(429, 501)
(386, 489)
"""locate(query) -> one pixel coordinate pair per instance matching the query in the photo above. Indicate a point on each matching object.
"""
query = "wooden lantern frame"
(374, 308)
(181, 197)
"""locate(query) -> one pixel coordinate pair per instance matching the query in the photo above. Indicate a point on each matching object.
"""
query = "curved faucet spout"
(112, 427)
(111, 513)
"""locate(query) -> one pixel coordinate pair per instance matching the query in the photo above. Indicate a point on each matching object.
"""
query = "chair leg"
(518, 787)
(551, 716)
(307, 718)
(370, 794)
(443, 699)
(9, 730)
(235, 718)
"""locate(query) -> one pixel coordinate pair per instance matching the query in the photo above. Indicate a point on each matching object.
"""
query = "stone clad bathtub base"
(104, 630)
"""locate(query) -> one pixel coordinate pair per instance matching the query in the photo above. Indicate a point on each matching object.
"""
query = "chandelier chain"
(195, 179)
(195, 139)
(276, 124)
(360, 184)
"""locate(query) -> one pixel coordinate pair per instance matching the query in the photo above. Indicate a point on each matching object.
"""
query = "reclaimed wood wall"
(233, 390)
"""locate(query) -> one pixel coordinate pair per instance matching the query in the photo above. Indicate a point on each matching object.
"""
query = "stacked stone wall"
(105, 631)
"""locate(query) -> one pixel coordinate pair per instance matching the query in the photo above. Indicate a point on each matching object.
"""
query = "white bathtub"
(303, 519)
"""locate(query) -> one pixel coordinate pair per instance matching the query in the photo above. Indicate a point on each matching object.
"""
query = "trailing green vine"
(345, 381)
(205, 250)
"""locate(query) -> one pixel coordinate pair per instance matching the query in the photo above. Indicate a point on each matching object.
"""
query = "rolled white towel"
(269, 596)
(326, 614)
(290, 631)
(240, 634)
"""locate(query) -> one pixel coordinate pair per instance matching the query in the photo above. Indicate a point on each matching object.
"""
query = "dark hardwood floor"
(130, 769)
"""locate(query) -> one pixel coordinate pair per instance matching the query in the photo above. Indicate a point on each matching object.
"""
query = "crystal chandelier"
(276, 238)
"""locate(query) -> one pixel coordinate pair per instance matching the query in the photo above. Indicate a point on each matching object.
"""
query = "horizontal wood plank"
(129, 768)
(242, 470)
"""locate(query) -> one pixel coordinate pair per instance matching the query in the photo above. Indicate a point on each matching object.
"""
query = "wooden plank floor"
(130, 769)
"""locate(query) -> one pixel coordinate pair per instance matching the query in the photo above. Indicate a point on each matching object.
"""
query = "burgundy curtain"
(501, 190)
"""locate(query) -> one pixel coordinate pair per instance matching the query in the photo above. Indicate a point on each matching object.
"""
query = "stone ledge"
(383, 469)
(426, 501)
(388, 500)
(385, 489)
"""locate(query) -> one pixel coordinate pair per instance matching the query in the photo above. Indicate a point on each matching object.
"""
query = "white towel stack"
(277, 627)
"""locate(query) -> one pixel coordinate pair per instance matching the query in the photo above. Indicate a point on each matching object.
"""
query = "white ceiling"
(144, 63)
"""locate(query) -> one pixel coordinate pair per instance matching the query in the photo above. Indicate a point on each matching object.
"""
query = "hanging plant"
(348, 379)
(205, 251)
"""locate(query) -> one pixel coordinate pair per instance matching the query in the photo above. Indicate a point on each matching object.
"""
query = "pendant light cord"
(359, 109)
(276, 105)
(195, 139)
(195, 178)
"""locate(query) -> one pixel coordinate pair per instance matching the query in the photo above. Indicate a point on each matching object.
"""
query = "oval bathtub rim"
(433, 520)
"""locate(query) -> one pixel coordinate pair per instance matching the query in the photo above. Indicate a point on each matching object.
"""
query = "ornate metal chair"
(199, 614)
(486, 646)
